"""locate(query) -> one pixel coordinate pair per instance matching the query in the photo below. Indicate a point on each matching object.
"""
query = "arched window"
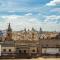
(19, 51)
(39, 38)
(9, 50)
(24, 51)
(33, 50)
(4, 50)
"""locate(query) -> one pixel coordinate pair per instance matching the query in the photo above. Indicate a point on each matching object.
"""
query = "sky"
(30, 13)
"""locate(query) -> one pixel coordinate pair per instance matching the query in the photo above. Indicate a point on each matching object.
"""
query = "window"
(19, 51)
(33, 50)
(59, 50)
(4, 50)
(17, 48)
(9, 50)
(24, 51)
(39, 37)
(46, 45)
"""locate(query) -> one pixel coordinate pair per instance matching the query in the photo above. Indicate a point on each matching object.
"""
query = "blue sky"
(30, 13)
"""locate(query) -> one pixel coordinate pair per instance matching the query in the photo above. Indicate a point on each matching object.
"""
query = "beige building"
(8, 44)
(8, 48)
(30, 43)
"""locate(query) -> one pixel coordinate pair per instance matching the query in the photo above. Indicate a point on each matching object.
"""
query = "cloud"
(18, 5)
(20, 22)
(56, 10)
(29, 14)
(52, 23)
(53, 3)
(28, 21)
(52, 19)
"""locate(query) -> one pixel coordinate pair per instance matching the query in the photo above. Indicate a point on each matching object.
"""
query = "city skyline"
(30, 13)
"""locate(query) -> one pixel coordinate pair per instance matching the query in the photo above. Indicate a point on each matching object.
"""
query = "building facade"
(29, 43)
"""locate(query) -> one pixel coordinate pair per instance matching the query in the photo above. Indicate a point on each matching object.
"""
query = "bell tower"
(9, 33)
